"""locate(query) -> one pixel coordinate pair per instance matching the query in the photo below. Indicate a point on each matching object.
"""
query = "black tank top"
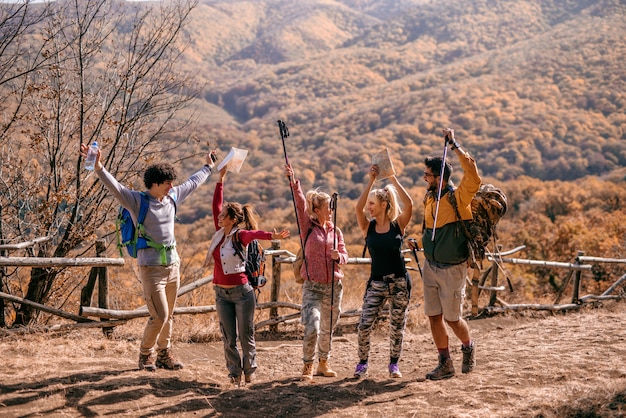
(385, 250)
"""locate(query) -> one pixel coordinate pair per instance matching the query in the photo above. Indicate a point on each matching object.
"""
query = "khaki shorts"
(444, 290)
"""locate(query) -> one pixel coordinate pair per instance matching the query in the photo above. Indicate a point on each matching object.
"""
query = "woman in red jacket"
(234, 296)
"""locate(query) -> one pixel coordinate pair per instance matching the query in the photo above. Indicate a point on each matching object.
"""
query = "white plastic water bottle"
(90, 162)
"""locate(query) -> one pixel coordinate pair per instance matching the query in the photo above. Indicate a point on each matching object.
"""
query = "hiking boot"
(394, 370)
(235, 381)
(146, 362)
(166, 360)
(249, 378)
(307, 372)
(323, 369)
(361, 371)
(469, 360)
(444, 370)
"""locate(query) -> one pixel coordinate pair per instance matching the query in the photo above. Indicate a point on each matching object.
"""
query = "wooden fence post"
(100, 273)
(87, 292)
(103, 283)
(475, 281)
(576, 285)
(494, 284)
(103, 277)
(275, 293)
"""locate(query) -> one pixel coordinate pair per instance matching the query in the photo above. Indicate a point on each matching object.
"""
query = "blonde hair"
(389, 195)
(315, 199)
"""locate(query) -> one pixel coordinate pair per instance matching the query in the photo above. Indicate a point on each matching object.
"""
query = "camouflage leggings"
(316, 308)
(398, 292)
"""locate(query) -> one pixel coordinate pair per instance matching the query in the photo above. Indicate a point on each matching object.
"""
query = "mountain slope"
(532, 87)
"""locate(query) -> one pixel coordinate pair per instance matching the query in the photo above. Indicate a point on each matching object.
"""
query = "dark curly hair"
(158, 174)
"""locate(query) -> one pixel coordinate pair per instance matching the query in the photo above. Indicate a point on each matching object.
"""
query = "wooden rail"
(98, 273)
(278, 257)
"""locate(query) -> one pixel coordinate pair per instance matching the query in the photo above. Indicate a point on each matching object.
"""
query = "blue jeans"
(235, 309)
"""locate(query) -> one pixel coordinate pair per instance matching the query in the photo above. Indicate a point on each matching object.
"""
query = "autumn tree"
(110, 77)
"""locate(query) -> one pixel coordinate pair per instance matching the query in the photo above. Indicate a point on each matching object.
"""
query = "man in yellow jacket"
(447, 255)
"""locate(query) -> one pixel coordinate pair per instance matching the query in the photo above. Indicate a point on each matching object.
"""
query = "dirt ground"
(536, 365)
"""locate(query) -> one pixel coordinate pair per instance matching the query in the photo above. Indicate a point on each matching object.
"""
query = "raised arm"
(360, 204)
(470, 182)
(218, 197)
(300, 200)
(407, 204)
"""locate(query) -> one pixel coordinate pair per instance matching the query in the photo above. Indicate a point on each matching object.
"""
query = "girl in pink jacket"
(324, 249)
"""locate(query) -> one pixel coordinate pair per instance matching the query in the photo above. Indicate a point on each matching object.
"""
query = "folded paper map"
(384, 163)
(234, 160)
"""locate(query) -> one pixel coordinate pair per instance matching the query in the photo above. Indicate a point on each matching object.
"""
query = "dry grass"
(533, 365)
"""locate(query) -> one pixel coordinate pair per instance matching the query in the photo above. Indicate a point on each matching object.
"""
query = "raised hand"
(280, 235)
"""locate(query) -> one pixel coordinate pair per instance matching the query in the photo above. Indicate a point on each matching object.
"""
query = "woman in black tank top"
(389, 211)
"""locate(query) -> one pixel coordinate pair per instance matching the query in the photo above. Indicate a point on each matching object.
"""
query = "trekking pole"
(333, 207)
(284, 133)
(443, 167)
(419, 268)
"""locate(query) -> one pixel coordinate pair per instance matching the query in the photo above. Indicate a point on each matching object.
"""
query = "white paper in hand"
(385, 166)
(234, 160)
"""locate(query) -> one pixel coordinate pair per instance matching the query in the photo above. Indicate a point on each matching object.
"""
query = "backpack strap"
(466, 231)
(141, 230)
(369, 227)
(143, 208)
(455, 205)
(118, 229)
(306, 238)
(238, 246)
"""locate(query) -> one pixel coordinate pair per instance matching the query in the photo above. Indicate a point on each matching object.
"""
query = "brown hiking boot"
(235, 381)
(323, 369)
(469, 359)
(166, 360)
(444, 370)
(307, 372)
(146, 362)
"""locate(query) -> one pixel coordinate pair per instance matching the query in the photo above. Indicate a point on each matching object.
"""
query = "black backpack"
(255, 261)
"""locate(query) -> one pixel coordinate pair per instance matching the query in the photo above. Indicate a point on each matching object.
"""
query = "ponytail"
(249, 217)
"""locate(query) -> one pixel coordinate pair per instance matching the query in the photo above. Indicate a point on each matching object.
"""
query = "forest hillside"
(532, 88)
(535, 90)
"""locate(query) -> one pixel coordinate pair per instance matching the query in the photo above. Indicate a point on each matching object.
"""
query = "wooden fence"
(109, 318)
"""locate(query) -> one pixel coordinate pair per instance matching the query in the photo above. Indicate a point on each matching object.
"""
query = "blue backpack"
(134, 237)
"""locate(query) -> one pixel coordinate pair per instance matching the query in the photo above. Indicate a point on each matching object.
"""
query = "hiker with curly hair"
(447, 255)
(159, 263)
(234, 296)
(388, 213)
(322, 290)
